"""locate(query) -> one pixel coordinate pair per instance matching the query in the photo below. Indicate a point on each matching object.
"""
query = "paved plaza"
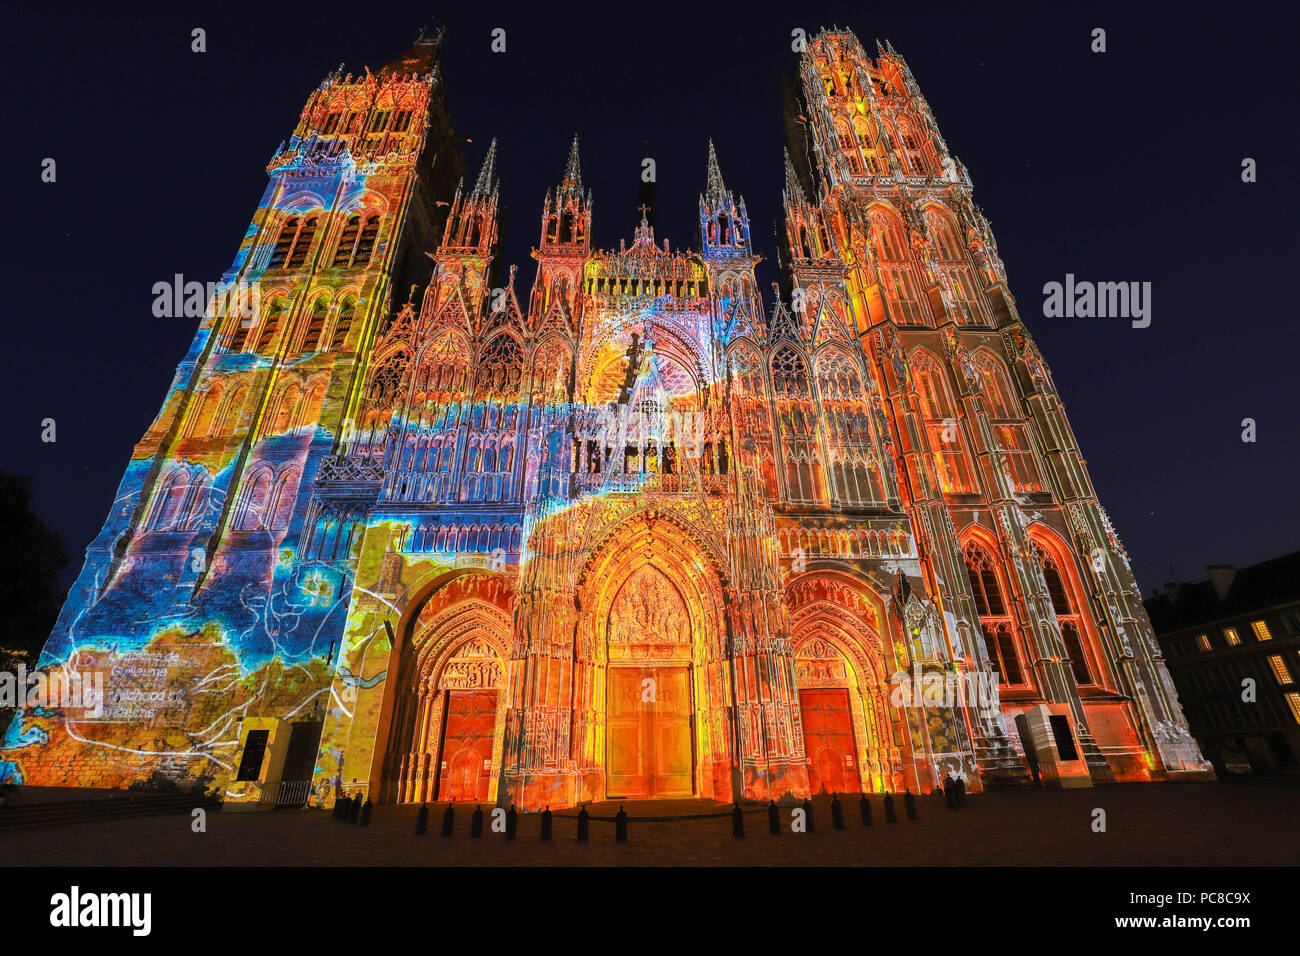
(1246, 823)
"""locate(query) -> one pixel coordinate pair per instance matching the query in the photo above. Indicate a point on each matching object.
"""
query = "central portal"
(649, 725)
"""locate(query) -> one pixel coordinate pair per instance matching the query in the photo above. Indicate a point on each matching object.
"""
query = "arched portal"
(652, 665)
(451, 716)
(842, 680)
(650, 748)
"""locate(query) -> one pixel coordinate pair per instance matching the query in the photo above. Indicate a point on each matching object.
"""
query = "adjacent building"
(1232, 645)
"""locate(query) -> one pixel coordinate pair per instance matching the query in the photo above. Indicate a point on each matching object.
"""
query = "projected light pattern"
(634, 536)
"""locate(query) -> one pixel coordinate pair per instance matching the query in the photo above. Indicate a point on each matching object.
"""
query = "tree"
(30, 561)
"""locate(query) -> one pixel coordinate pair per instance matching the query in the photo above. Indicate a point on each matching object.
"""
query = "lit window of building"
(1261, 631)
(1204, 642)
(1232, 637)
(1280, 670)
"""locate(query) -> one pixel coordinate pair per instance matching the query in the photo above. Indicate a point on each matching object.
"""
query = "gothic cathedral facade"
(628, 534)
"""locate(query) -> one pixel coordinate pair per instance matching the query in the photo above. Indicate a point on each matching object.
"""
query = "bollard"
(808, 815)
(365, 813)
(422, 820)
(620, 826)
(476, 823)
(837, 812)
(512, 822)
(773, 819)
(584, 825)
(448, 820)
(737, 822)
(546, 823)
(891, 815)
(909, 804)
(864, 805)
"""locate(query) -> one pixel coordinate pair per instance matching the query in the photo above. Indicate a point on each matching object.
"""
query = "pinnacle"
(794, 191)
(487, 177)
(573, 170)
(716, 187)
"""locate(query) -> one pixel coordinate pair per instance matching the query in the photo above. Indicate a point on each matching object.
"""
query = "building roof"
(1267, 584)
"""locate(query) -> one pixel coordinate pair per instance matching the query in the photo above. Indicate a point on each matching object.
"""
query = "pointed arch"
(949, 455)
(989, 587)
(499, 368)
(552, 371)
(316, 323)
(282, 499)
(839, 635)
(893, 263)
(170, 500)
(854, 474)
(250, 512)
(206, 416)
(1011, 432)
(270, 325)
(286, 406)
(343, 322)
(1068, 598)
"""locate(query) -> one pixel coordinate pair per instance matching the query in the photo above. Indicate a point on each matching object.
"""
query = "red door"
(828, 740)
(467, 745)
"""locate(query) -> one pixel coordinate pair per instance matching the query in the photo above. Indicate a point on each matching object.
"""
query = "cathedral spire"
(794, 194)
(572, 183)
(487, 178)
(716, 189)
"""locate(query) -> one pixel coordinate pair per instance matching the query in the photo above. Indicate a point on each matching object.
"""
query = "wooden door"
(828, 740)
(466, 762)
(649, 733)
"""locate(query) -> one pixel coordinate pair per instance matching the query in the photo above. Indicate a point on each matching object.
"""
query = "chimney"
(1221, 576)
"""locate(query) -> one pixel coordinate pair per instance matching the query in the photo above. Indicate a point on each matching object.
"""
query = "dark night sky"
(1120, 166)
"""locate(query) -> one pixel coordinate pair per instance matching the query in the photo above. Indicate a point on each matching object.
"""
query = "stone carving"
(649, 611)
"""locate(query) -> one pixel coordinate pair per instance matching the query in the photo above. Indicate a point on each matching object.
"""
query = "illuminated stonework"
(631, 536)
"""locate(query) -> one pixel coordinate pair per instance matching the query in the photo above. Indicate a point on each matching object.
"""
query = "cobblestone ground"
(1231, 823)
